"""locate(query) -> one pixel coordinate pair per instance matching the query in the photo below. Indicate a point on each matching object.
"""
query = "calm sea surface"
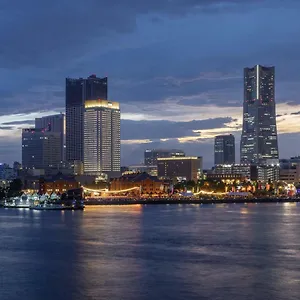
(151, 253)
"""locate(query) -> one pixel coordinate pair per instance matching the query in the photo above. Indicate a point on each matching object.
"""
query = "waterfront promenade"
(164, 201)
(155, 201)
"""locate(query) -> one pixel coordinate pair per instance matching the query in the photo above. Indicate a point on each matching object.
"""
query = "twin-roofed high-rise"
(92, 126)
(259, 144)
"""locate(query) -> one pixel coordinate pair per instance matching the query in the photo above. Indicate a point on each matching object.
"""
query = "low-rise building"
(290, 173)
(59, 184)
(267, 173)
(141, 183)
(232, 171)
(263, 173)
(151, 170)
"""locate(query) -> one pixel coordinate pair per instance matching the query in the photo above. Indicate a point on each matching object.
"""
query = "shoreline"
(189, 201)
(124, 202)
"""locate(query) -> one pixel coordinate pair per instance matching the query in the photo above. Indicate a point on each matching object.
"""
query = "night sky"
(176, 67)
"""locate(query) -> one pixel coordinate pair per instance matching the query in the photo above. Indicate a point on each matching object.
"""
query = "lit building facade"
(54, 123)
(77, 92)
(259, 135)
(41, 149)
(224, 149)
(180, 168)
(241, 170)
(145, 184)
(290, 170)
(57, 184)
(151, 155)
(102, 138)
(151, 170)
(263, 173)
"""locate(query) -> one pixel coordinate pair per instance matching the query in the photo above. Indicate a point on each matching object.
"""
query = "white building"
(102, 138)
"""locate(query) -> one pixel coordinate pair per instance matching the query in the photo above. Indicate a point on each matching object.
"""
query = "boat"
(23, 201)
(55, 207)
(42, 202)
(48, 205)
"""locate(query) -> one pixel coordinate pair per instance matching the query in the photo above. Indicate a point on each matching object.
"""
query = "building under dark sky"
(41, 149)
(77, 92)
(224, 149)
(54, 123)
(151, 155)
(259, 136)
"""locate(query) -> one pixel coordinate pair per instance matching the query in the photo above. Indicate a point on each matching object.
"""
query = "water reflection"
(108, 260)
(151, 252)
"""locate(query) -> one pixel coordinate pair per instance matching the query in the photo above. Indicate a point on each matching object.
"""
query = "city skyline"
(171, 95)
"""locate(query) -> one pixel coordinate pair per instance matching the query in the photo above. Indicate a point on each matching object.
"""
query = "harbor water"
(224, 251)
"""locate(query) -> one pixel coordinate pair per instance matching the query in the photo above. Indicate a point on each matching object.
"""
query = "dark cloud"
(29, 122)
(6, 127)
(48, 30)
(167, 129)
(292, 103)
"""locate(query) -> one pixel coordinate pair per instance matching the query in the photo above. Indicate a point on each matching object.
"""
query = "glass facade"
(224, 149)
(41, 149)
(77, 92)
(54, 123)
(259, 135)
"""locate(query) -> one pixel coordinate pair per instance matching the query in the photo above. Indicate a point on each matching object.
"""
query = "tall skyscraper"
(54, 123)
(151, 155)
(77, 92)
(259, 136)
(41, 149)
(224, 149)
(102, 138)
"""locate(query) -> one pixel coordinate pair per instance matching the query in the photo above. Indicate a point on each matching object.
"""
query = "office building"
(151, 170)
(102, 138)
(41, 149)
(151, 155)
(77, 92)
(290, 170)
(180, 168)
(259, 135)
(54, 123)
(241, 172)
(265, 173)
(6, 172)
(224, 149)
